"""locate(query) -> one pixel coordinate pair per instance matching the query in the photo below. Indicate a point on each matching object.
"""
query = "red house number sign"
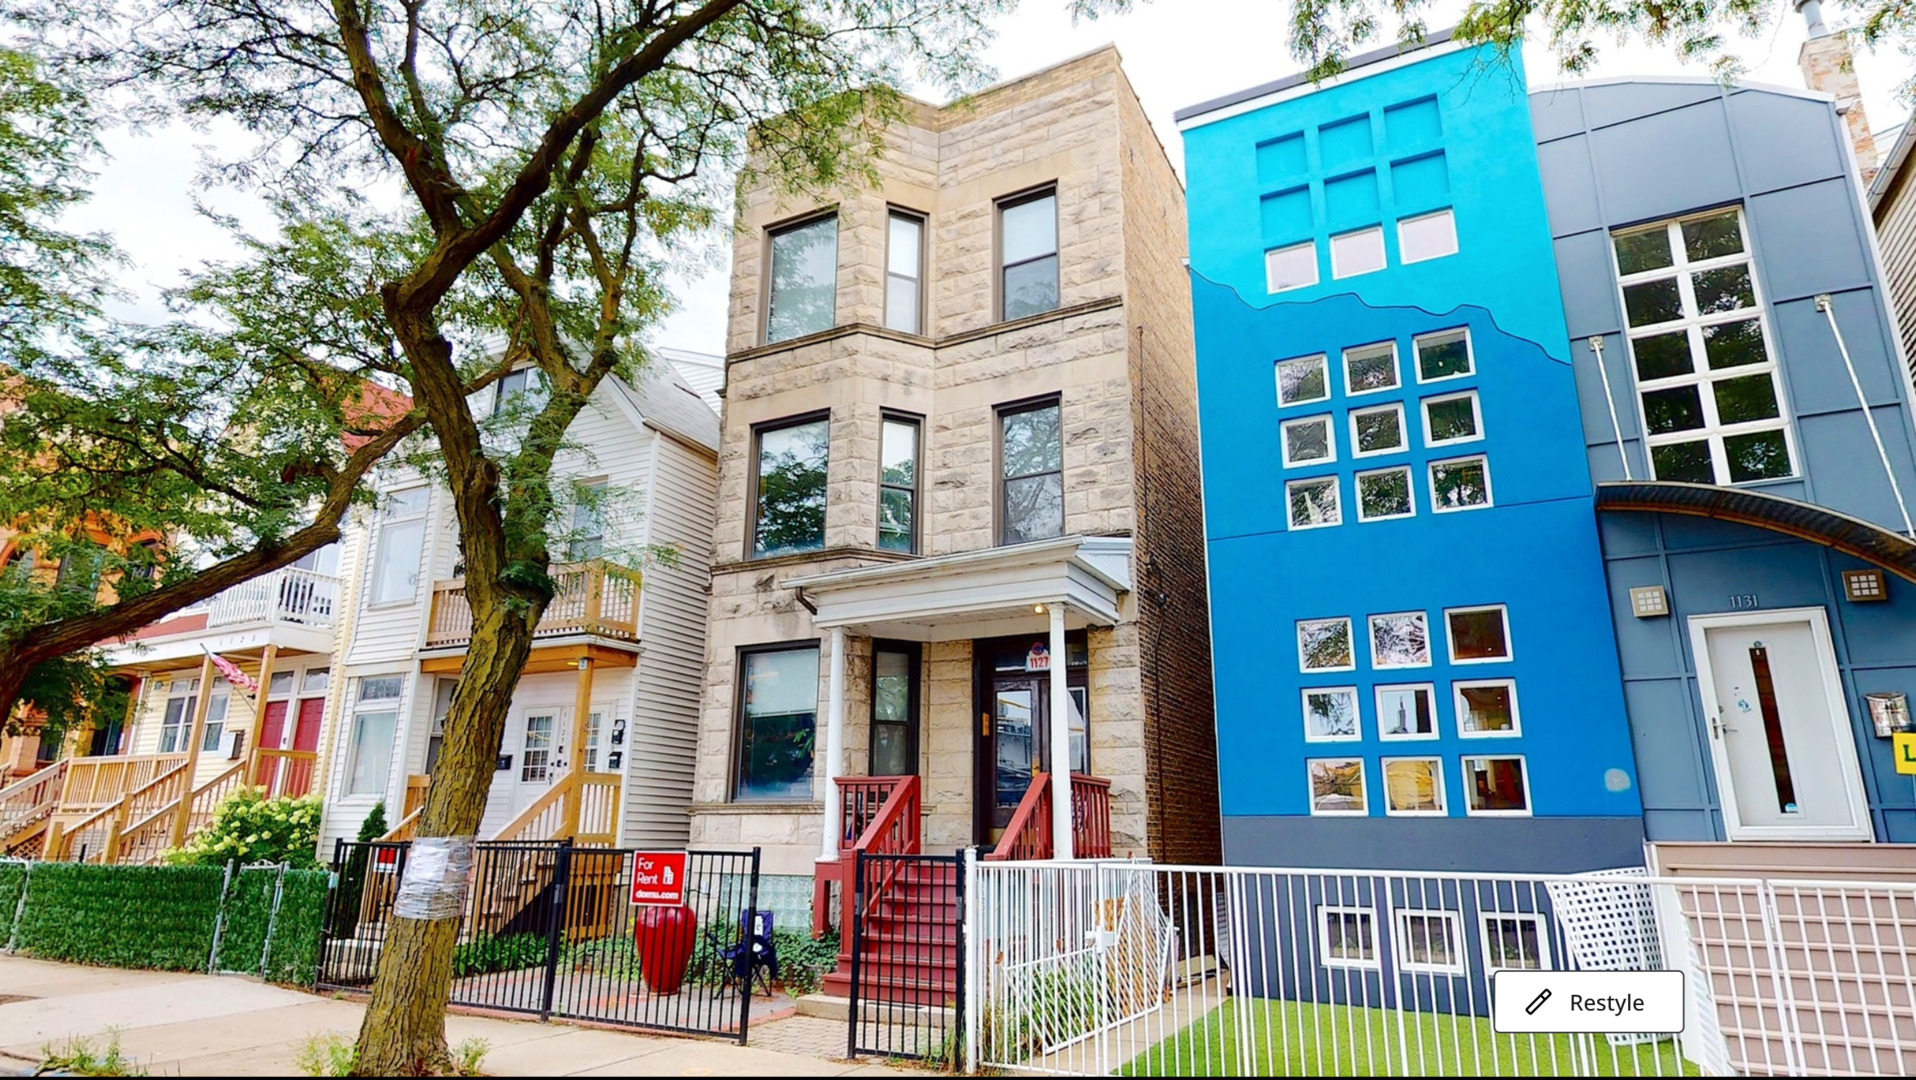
(658, 878)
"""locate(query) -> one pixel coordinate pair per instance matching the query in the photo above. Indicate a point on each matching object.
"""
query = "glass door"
(1019, 723)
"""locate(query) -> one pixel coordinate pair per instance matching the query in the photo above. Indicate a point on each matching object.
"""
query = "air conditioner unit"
(232, 744)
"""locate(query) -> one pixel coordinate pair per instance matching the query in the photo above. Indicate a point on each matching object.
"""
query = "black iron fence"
(908, 958)
(550, 930)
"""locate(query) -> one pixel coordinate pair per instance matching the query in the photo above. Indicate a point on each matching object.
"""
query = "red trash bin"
(664, 937)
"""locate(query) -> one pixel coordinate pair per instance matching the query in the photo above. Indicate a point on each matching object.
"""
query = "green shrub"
(248, 827)
(487, 954)
(13, 878)
(331, 1054)
(292, 956)
(352, 876)
(802, 959)
(122, 916)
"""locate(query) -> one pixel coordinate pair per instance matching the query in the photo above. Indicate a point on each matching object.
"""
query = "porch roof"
(973, 594)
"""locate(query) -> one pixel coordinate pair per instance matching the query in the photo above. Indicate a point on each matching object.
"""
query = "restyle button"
(1594, 1002)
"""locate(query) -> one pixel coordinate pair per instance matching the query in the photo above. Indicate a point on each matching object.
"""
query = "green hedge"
(166, 917)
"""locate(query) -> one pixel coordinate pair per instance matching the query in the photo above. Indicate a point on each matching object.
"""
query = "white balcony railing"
(292, 595)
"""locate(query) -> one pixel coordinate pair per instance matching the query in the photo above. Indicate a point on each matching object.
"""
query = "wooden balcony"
(595, 598)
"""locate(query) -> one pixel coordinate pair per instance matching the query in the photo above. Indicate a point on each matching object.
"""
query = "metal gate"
(549, 930)
(908, 957)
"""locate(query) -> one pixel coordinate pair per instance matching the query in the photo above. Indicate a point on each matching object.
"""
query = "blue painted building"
(1414, 657)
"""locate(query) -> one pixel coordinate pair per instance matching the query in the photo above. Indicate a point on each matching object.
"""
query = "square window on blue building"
(1313, 503)
(1414, 787)
(1292, 267)
(1384, 494)
(1496, 786)
(1359, 252)
(1309, 440)
(1337, 787)
(1452, 418)
(1331, 714)
(1487, 708)
(1443, 355)
(1370, 368)
(1478, 635)
(1407, 711)
(1325, 645)
(1400, 640)
(1461, 484)
(1427, 236)
(1377, 430)
(1303, 380)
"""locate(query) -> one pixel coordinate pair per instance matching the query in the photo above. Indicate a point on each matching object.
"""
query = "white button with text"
(1596, 1002)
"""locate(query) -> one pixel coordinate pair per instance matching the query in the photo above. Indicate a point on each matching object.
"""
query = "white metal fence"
(1100, 968)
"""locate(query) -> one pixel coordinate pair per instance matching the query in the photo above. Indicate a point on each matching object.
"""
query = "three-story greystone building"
(959, 457)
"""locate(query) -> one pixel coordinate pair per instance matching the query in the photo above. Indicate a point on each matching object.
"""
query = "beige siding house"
(959, 457)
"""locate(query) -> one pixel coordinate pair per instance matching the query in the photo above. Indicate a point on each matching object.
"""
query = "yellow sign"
(1905, 749)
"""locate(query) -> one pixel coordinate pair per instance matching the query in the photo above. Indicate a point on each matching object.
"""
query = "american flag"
(232, 672)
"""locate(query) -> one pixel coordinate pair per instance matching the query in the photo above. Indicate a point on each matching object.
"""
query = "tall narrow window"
(1031, 447)
(587, 538)
(402, 544)
(369, 758)
(898, 484)
(1706, 379)
(521, 392)
(176, 722)
(1028, 245)
(536, 766)
(216, 705)
(894, 710)
(790, 487)
(802, 296)
(778, 723)
(441, 709)
(904, 274)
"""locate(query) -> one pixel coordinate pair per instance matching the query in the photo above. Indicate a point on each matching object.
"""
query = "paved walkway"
(200, 1025)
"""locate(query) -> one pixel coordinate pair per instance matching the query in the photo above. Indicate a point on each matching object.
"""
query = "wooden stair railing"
(29, 801)
(284, 773)
(544, 819)
(146, 823)
(894, 827)
(1028, 836)
(597, 798)
(860, 801)
(1090, 816)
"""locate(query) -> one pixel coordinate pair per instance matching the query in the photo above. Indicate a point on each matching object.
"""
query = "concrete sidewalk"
(201, 1025)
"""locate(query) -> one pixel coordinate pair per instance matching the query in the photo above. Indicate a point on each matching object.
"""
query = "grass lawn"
(1304, 1039)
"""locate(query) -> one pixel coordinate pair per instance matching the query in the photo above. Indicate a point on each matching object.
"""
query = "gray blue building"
(1543, 513)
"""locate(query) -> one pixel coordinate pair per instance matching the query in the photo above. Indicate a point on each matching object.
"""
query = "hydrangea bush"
(248, 827)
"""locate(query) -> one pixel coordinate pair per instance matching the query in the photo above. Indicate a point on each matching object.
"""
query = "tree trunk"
(404, 1033)
(13, 679)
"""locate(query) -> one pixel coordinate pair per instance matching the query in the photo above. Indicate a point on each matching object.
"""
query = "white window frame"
(218, 704)
(1701, 376)
(1458, 942)
(1328, 422)
(1410, 492)
(1529, 802)
(1270, 258)
(1372, 348)
(1510, 645)
(1403, 434)
(1349, 636)
(1403, 251)
(1476, 417)
(1436, 505)
(1484, 919)
(1370, 640)
(1377, 706)
(1337, 491)
(1470, 354)
(1383, 261)
(353, 707)
(182, 731)
(1322, 360)
(378, 561)
(1357, 710)
(917, 276)
(1457, 689)
(549, 767)
(1443, 793)
(1324, 957)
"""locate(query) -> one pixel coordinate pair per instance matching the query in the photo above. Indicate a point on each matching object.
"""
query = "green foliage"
(802, 959)
(330, 1054)
(485, 954)
(13, 878)
(79, 1058)
(1055, 1005)
(375, 825)
(469, 1056)
(248, 827)
(352, 876)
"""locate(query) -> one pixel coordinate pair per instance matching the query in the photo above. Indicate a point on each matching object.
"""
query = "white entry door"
(537, 765)
(1779, 727)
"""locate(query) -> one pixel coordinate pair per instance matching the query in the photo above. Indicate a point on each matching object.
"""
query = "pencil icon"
(1537, 1002)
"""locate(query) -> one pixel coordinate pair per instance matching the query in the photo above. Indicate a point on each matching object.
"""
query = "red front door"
(306, 735)
(273, 728)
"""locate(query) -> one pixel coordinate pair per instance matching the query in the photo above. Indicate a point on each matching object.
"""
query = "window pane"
(1637, 252)
(791, 488)
(1443, 355)
(1385, 494)
(901, 304)
(1301, 381)
(1495, 784)
(1662, 356)
(1514, 942)
(1400, 640)
(898, 454)
(282, 683)
(1752, 397)
(891, 751)
(319, 679)
(1760, 455)
(780, 706)
(1652, 302)
(1478, 634)
(536, 761)
(1712, 237)
(1381, 430)
(1031, 288)
(1030, 229)
(901, 256)
(371, 762)
(1030, 442)
(1314, 502)
(1034, 508)
(1337, 787)
(1459, 484)
(1324, 644)
(1370, 368)
(408, 503)
(1734, 344)
(891, 696)
(1307, 440)
(1357, 253)
(396, 569)
(1688, 462)
(1679, 408)
(1431, 236)
(804, 293)
(1330, 715)
(895, 519)
(1485, 709)
(1452, 418)
(384, 688)
(1726, 288)
(1293, 267)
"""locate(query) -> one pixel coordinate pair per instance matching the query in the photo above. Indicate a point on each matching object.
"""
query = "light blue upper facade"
(1501, 516)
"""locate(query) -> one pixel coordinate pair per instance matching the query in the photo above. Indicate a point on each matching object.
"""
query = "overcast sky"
(1176, 54)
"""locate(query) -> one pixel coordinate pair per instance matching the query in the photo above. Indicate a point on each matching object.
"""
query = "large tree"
(466, 186)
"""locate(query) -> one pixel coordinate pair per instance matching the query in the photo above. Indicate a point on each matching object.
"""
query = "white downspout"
(1616, 428)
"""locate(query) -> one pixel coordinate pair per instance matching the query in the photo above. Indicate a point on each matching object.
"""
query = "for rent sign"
(658, 877)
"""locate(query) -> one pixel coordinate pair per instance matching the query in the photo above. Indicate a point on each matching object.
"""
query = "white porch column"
(1060, 739)
(834, 746)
